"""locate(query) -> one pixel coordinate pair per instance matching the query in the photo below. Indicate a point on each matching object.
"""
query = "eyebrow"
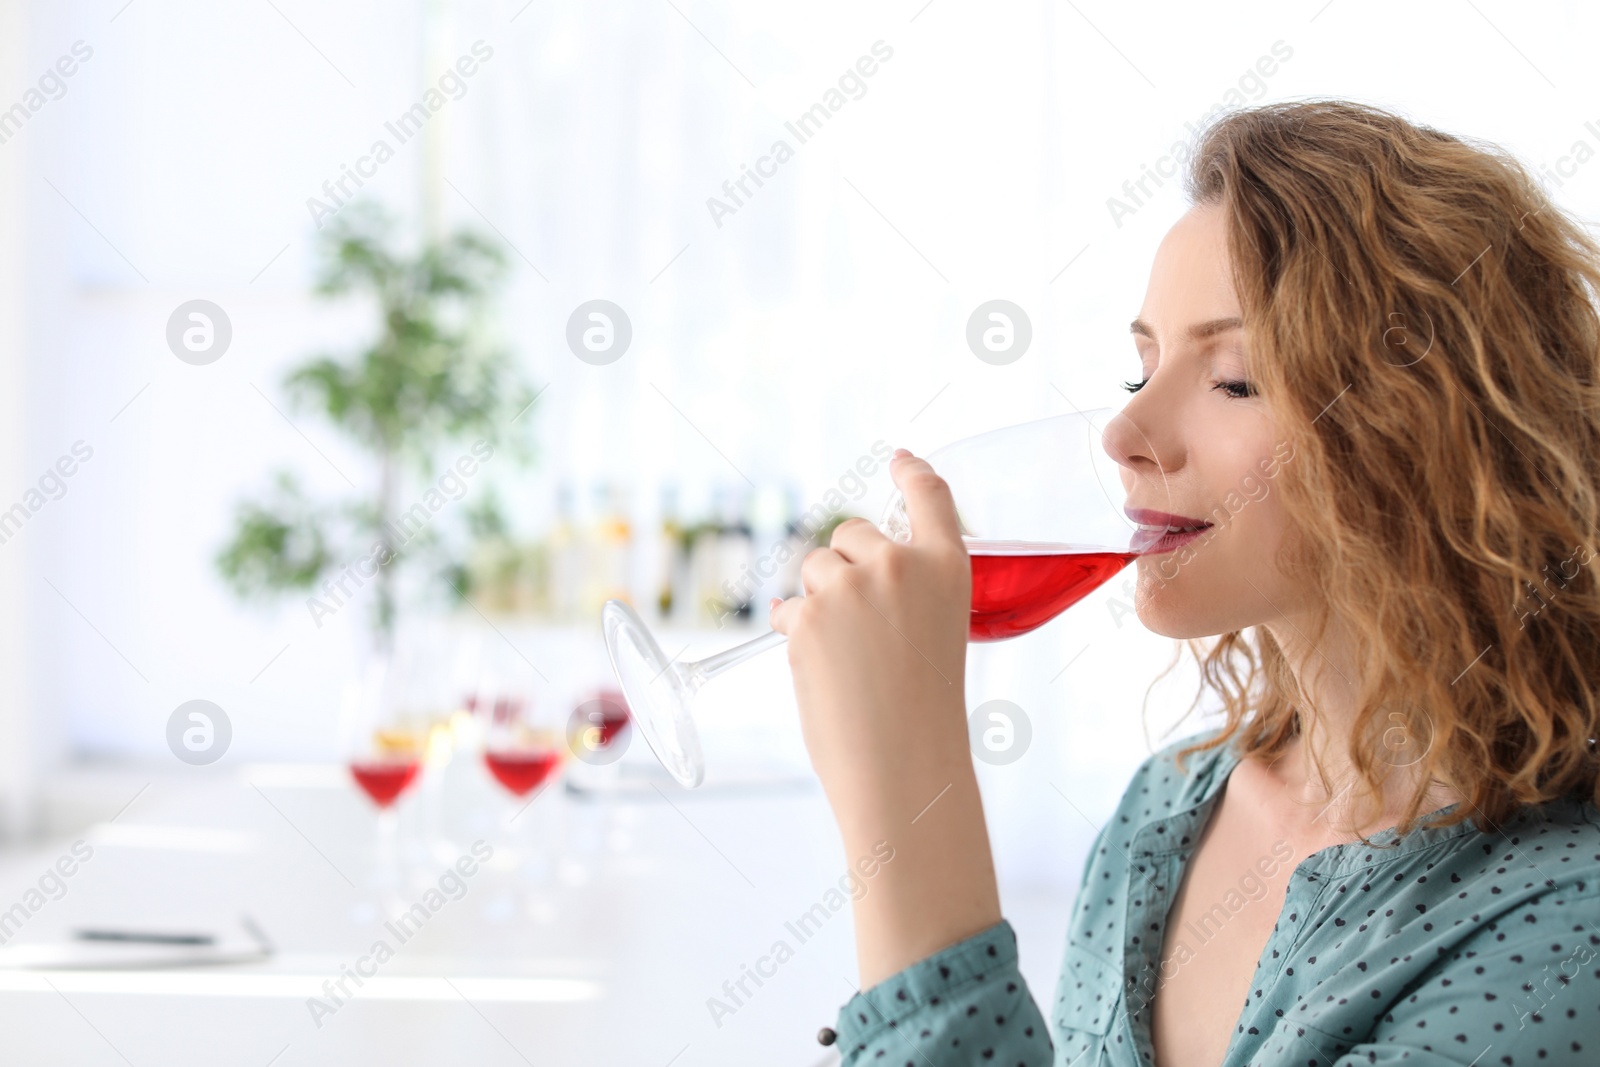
(1197, 332)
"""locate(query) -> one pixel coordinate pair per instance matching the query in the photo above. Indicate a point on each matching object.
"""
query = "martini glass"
(1040, 506)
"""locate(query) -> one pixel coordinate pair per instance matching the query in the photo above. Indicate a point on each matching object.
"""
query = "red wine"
(611, 725)
(523, 771)
(1019, 586)
(385, 780)
(613, 714)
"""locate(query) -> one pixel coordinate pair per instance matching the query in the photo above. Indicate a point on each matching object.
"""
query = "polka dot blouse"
(1448, 946)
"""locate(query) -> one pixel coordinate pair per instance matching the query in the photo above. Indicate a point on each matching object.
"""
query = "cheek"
(1259, 526)
(1254, 500)
(1245, 470)
(1255, 541)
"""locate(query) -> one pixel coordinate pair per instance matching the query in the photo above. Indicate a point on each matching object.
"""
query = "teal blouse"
(1448, 946)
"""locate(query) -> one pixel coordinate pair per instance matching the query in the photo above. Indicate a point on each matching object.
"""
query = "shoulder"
(1475, 940)
(1534, 878)
(1533, 955)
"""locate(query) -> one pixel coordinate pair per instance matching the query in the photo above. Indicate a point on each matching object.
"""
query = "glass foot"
(659, 696)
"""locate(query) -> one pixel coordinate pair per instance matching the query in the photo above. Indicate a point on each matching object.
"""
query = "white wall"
(824, 314)
(17, 733)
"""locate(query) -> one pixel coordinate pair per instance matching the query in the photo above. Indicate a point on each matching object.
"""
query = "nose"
(1144, 444)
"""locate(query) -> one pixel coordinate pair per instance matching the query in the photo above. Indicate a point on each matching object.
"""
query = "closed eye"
(1234, 390)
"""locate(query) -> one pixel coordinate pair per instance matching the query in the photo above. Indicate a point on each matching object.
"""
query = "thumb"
(929, 504)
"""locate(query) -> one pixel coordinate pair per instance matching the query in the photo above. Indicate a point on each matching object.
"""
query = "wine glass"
(524, 753)
(521, 754)
(1040, 509)
(597, 724)
(384, 752)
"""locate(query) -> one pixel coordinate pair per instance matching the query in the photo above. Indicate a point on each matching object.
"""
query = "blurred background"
(569, 301)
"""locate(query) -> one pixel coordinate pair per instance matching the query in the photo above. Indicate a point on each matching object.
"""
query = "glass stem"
(701, 671)
(388, 849)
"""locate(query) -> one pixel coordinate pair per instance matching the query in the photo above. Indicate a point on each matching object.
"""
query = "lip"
(1150, 543)
(1154, 537)
(1149, 517)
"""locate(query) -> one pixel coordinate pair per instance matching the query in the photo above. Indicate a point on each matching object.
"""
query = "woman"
(1389, 851)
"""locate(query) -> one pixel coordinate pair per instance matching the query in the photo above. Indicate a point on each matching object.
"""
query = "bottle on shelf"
(736, 550)
(564, 551)
(671, 560)
(705, 563)
(609, 544)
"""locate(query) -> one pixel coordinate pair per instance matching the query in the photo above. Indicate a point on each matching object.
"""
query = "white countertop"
(647, 904)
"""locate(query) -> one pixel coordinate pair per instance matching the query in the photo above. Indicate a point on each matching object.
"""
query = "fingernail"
(774, 602)
(902, 452)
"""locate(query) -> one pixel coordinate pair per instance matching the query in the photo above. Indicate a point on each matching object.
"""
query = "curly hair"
(1422, 325)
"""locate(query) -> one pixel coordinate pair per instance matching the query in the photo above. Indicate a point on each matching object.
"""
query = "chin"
(1180, 609)
(1177, 625)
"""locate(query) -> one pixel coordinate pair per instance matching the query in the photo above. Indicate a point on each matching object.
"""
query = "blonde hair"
(1422, 324)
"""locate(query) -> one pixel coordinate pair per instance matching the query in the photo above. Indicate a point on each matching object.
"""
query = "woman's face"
(1196, 444)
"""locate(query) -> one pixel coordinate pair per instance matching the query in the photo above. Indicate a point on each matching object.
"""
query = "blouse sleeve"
(965, 1004)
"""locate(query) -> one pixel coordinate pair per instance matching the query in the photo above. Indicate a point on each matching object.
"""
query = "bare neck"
(1316, 774)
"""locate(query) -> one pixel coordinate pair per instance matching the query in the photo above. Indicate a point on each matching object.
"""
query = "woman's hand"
(878, 650)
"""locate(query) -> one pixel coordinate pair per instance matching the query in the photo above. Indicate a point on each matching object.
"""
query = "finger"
(857, 540)
(929, 505)
(780, 613)
(820, 566)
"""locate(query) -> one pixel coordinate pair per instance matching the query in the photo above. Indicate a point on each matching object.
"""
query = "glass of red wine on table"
(596, 737)
(521, 756)
(607, 716)
(524, 753)
(385, 756)
(522, 750)
(1042, 512)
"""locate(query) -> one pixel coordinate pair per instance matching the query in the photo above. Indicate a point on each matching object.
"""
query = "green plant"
(429, 379)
